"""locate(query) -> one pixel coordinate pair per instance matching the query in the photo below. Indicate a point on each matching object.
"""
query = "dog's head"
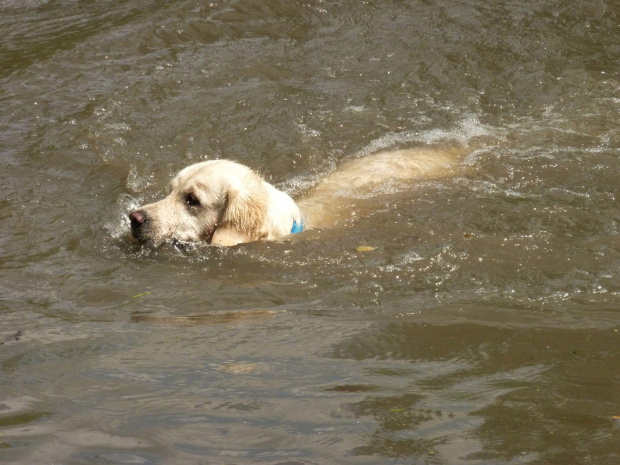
(218, 202)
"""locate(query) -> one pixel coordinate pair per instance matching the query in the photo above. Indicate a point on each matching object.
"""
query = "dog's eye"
(192, 200)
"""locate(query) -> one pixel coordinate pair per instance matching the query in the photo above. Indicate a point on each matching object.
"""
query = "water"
(482, 329)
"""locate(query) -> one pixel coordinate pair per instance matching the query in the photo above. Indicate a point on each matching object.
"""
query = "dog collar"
(297, 227)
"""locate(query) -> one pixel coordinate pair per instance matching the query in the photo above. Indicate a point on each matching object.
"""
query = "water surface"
(484, 326)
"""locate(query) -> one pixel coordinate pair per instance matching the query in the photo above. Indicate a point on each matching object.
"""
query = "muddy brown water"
(483, 328)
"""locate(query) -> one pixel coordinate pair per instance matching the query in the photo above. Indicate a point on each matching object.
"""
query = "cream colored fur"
(225, 203)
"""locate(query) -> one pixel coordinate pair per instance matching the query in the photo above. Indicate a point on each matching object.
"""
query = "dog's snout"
(137, 218)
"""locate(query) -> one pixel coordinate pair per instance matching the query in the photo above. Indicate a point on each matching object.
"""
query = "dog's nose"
(137, 218)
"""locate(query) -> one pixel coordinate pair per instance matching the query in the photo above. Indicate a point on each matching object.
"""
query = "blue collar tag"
(297, 227)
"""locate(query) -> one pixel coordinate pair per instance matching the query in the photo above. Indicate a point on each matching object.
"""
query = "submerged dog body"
(224, 203)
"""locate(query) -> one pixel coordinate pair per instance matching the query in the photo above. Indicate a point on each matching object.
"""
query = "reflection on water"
(205, 318)
(464, 320)
(499, 386)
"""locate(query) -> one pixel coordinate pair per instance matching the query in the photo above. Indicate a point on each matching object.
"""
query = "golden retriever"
(224, 203)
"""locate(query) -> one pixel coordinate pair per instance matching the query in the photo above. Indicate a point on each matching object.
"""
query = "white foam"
(118, 226)
(467, 129)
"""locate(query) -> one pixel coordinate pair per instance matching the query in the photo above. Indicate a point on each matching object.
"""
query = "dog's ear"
(244, 214)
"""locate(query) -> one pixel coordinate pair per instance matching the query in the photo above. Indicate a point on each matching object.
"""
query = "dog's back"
(330, 200)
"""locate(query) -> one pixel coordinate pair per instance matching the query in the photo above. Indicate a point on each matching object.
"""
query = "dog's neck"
(283, 215)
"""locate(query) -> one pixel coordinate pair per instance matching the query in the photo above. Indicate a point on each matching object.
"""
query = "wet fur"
(221, 202)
